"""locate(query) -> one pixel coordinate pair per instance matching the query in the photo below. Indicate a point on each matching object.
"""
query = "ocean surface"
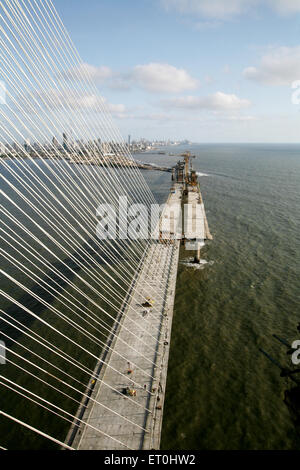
(222, 392)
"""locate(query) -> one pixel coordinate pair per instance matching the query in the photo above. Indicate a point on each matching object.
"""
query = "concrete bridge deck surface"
(196, 223)
(115, 421)
(119, 421)
(148, 359)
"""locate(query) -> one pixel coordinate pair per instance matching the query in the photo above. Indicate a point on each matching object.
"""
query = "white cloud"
(153, 77)
(115, 109)
(60, 100)
(221, 9)
(161, 117)
(156, 77)
(217, 102)
(84, 70)
(285, 7)
(218, 9)
(241, 118)
(281, 66)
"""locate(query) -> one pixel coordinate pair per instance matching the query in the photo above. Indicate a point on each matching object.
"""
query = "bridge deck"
(147, 352)
(196, 224)
(117, 421)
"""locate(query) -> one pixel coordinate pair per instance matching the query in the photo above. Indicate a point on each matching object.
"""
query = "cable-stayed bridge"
(85, 321)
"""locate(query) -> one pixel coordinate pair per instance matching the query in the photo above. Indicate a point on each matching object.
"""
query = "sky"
(203, 70)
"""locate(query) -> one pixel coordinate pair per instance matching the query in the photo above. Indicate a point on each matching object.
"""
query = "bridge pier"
(197, 256)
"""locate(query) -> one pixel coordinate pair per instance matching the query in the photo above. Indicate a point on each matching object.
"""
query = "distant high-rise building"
(27, 145)
(65, 142)
(55, 142)
(106, 148)
(2, 149)
(129, 140)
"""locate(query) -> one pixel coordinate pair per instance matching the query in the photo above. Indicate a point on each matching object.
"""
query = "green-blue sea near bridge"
(222, 393)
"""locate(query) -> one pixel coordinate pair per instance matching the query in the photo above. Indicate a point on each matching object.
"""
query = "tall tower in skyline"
(55, 142)
(65, 141)
(27, 145)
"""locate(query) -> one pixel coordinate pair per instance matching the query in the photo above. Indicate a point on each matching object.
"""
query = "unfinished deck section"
(196, 229)
(143, 338)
